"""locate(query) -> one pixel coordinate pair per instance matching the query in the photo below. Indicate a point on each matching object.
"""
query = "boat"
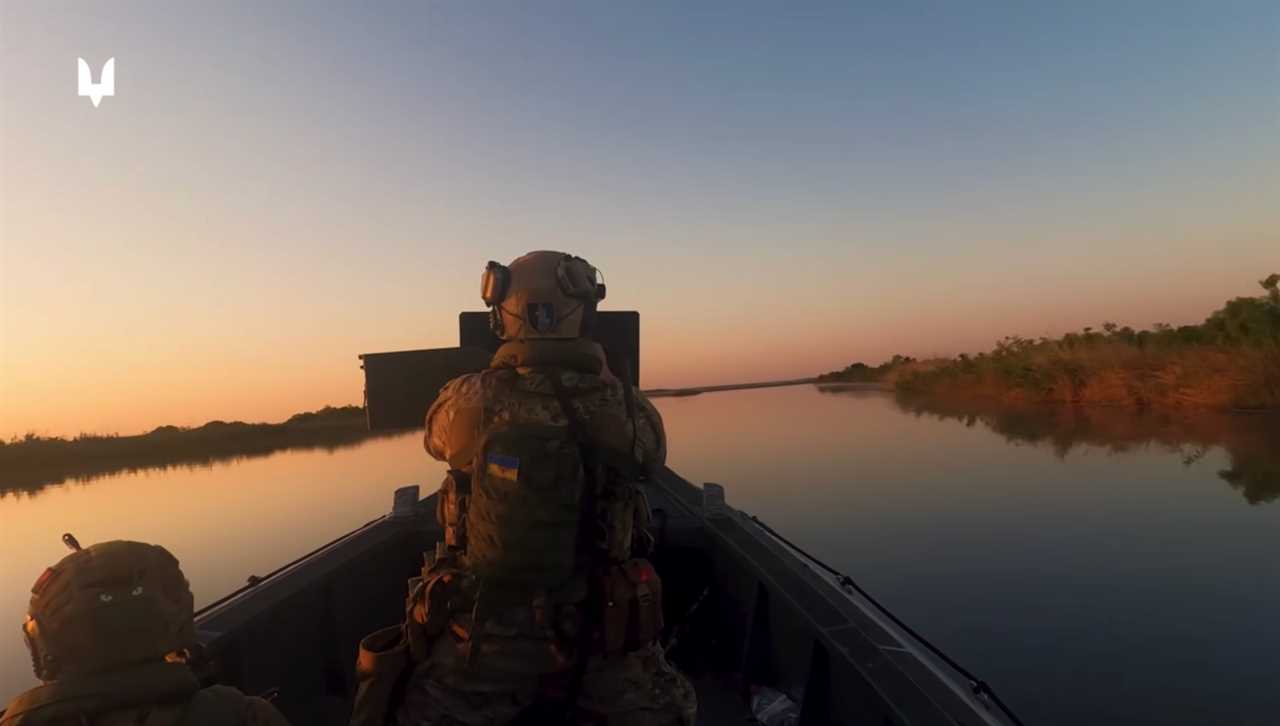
(745, 608)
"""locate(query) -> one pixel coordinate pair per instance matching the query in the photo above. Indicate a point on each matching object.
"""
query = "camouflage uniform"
(512, 390)
(640, 687)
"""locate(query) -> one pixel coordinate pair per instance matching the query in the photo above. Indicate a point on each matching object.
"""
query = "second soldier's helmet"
(107, 606)
(542, 295)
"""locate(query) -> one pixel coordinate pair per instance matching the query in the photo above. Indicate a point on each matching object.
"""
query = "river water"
(1094, 567)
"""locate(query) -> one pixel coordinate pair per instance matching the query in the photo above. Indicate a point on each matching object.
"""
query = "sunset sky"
(780, 189)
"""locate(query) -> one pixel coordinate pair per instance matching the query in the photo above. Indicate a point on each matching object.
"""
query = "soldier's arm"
(453, 421)
(651, 437)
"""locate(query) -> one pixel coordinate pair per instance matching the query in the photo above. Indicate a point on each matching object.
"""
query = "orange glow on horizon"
(131, 384)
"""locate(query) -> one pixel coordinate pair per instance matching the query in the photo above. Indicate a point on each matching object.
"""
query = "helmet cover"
(109, 605)
(545, 295)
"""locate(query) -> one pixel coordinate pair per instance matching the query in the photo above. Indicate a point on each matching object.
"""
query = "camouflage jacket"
(515, 389)
(157, 694)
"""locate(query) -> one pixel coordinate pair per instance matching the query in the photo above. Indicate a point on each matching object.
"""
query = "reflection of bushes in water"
(32, 463)
(1255, 474)
(855, 390)
(1250, 440)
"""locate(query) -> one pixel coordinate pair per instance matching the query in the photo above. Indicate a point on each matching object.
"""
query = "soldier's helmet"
(542, 294)
(107, 606)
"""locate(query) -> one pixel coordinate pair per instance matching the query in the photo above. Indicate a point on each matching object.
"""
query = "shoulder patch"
(502, 466)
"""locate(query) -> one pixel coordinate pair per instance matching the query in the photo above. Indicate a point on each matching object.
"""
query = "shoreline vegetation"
(1230, 362)
(31, 462)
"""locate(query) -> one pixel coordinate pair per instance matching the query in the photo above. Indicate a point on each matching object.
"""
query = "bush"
(1231, 360)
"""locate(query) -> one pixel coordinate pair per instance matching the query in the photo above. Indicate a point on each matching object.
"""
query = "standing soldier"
(109, 628)
(540, 606)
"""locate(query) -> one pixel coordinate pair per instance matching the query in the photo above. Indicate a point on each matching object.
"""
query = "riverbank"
(1231, 361)
(32, 462)
(671, 392)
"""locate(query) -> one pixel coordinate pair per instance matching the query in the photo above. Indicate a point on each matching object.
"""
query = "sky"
(779, 188)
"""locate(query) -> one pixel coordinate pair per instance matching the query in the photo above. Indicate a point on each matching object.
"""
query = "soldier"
(539, 605)
(109, 628)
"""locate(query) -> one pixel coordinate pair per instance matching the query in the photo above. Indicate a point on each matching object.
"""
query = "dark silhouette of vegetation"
(862, 373)
(676, 392)
(1230, 361)
(32, 462)
(1249, 439)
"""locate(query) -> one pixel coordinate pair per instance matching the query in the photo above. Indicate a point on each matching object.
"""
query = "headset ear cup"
(43, 665)
(577, 279)
(494, 283)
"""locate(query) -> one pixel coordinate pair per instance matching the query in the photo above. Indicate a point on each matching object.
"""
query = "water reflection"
(1251, 441)
(28, 480)
(1122, 583)
(1092, 588)
(223, 520)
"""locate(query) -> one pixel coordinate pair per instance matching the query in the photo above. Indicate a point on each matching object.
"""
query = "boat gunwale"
(956, 682)
(212, 609)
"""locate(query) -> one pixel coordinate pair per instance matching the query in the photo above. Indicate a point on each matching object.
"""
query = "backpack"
(529, 489)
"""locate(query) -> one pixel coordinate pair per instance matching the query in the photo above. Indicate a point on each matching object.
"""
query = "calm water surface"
(1095, 568)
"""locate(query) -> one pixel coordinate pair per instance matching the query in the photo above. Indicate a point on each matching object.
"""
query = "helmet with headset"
(107, 606)
(542, 295)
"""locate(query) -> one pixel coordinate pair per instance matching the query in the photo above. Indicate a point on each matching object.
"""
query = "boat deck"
(766, 617)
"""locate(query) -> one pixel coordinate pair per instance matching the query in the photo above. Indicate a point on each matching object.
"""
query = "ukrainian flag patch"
(502, 466)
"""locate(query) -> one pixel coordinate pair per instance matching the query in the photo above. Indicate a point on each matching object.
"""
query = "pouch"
(382, 668)
(632, 607)
(451, 507)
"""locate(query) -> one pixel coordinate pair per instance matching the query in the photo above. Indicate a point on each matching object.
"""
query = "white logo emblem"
(105, 87)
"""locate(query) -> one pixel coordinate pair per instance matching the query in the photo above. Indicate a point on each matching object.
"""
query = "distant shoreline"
(854, 385)
(34, 462)
(31, 463)
(696, 390)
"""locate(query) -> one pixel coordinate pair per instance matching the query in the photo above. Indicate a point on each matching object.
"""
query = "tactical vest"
(534, 510)
(545, 512)
(528, 486)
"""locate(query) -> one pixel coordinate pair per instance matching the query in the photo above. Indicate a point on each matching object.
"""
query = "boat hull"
(764, 616)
